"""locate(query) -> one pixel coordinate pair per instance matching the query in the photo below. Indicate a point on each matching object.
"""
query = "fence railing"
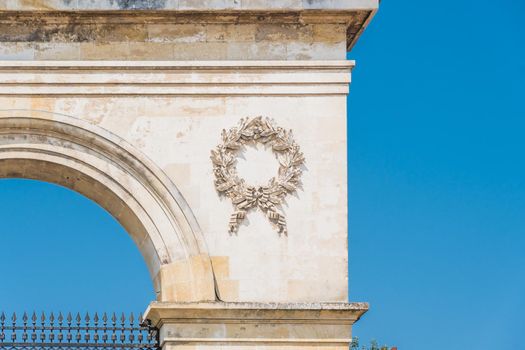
(37, 332)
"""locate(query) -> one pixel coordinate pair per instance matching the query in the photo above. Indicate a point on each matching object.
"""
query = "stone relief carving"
(244, 196)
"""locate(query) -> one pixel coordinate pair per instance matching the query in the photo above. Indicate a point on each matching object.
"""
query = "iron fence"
(41, 332)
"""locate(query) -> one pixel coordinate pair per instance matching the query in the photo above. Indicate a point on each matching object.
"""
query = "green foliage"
(373, 345)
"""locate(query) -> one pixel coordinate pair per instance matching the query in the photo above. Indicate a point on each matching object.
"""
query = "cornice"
(355, 19)
(160, 313)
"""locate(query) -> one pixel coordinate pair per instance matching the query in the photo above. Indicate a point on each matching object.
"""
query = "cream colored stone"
(151, 51)
(103, 167)
(227, 289)
(262, 50)
(329, 33)
(205, 51)
(95, 51)
(16, 51)
(257, 253)
(231, 32)
(57, 51)
(221, 266)
(249, 325)
(316, 51)
(130, 104)
(252, 33)
(178, 33)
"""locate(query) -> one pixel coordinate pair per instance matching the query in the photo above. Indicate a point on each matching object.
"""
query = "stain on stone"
(36, 31)
(353, 29)
(71, 32)
(271, 32)
(313, 3)
(141, 4)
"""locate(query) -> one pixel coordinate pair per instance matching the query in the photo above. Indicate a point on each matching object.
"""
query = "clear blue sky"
(437, 175)
(436, 199)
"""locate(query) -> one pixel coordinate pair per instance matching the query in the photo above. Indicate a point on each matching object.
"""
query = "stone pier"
(215, 133)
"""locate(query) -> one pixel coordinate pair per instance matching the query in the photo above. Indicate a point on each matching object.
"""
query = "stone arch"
(105, 168)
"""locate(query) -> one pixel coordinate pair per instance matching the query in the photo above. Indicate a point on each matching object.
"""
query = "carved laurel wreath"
(244, 196)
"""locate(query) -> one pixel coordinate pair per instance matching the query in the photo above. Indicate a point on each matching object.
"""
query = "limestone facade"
(123, 102)
(181, 29)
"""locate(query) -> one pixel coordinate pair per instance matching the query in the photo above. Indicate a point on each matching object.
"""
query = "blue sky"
(61, 251)
(436, 192)
(437, 175)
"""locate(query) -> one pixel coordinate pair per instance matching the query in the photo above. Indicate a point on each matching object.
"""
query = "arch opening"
(63, 252)
(106, 169)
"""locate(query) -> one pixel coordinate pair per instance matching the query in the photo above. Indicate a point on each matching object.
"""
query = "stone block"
(176, 33)
(329, 33)
(57, 51)
(255, 325)
(16, 51)
(95, 51)
(203, 50)
(138, 114)
(250, 51)
(150, 51)
(231, 33)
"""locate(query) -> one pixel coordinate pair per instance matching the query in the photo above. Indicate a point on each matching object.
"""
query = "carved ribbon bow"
(266, 198)
(262, 198)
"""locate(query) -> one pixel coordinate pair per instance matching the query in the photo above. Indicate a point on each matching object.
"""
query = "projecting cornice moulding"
(355, 14)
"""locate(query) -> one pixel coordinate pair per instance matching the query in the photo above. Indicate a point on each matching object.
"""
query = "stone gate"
(125, 102)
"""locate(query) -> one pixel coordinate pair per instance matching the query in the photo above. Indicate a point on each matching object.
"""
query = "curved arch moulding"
(105, 168)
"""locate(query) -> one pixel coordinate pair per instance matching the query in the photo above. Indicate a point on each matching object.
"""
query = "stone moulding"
(244, 196)
(105, 168)
(354, 14)
(178, 78)
(275, 324)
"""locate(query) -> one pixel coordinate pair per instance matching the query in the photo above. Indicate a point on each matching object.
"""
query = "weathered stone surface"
(175, 50)
(168, 42)
(258, 26)
(191, 5)
(123, 101)
(98, 164)
(255, 325)
(163, 109)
